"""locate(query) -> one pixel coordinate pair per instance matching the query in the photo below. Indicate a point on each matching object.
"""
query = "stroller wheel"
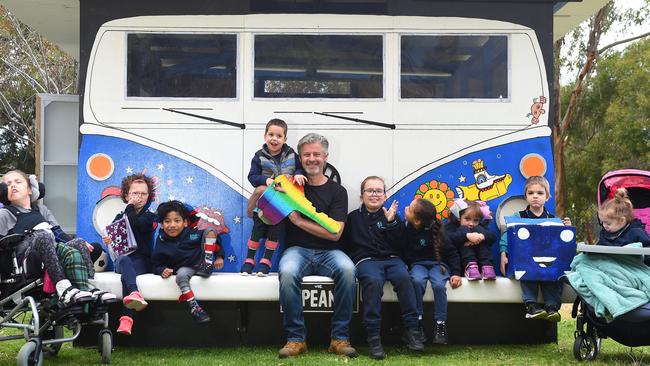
(30, 354)
(585, 347)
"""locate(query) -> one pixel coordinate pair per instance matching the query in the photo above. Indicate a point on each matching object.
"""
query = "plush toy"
(539, 249)
(98, 256)
(274, 205)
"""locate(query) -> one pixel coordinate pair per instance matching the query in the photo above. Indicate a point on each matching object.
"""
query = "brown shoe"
(292, 349)
(342, 347)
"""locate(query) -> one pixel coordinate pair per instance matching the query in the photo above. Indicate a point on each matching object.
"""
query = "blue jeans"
(430, 270)
(551, 291)
(298, 262)
(372, 276)
(131, 266)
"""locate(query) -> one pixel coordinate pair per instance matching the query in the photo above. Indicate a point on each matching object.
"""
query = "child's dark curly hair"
(171, 206)
(138, 178)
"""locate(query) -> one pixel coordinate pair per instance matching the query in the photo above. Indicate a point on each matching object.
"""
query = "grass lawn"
(551, 354)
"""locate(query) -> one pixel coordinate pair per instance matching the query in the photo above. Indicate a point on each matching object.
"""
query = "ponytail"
(425, 211)
(618, 206)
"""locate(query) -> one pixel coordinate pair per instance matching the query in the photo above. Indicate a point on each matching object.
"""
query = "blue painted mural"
(487, 175)
(176, 179)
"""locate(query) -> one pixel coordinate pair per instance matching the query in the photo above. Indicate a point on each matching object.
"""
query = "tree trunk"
(558, 150)
(560, 176)
(562, 123)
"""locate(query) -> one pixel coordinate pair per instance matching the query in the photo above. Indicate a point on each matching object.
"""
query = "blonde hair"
(538, 179)
(619, 206)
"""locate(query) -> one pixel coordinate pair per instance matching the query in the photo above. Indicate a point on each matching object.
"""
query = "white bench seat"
(235, 287)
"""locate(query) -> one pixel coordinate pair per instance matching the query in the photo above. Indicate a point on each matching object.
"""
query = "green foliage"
(610, 130)
(29, 65)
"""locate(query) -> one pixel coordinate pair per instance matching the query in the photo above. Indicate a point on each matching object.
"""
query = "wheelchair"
(38, 316)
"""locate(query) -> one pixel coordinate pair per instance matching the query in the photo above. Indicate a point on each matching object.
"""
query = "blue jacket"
(632, 233)
(185, 250)
(264, 165)
(368, 235)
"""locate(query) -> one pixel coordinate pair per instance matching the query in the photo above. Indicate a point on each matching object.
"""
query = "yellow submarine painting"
(486, 186)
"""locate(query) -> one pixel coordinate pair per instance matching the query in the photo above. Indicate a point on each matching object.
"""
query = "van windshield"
(181, 65)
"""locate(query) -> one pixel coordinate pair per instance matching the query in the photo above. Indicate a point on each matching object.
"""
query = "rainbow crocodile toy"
(274, 205)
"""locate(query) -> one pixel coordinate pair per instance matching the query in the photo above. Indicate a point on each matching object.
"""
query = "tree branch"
(595, 32)
(605, 48)
(30, 80)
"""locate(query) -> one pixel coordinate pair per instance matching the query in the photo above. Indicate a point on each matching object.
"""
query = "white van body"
(428, 132)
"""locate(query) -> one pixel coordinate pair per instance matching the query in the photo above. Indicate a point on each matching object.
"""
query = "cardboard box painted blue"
(539, 249)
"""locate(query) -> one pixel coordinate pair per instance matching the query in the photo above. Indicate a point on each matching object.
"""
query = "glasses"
(374, 192)
(138, 194)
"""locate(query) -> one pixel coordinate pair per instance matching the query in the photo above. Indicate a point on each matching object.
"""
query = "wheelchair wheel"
(30, 354)
(55, 333)
(585, 347)
(105, 345)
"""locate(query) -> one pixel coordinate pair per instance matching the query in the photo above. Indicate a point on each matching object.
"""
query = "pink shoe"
(134, 301)
(471, 272)
(488, 272)
(126, 324)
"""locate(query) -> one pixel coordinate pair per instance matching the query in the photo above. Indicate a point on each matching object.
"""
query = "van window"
(451, 66)
(181, 65)
(319, 66)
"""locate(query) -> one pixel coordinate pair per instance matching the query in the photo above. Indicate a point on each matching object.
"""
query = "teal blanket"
(612, 284)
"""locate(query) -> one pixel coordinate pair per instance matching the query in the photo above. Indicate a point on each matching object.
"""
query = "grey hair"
(311, 138)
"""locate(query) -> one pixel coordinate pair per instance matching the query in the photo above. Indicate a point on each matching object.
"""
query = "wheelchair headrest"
(4, 199)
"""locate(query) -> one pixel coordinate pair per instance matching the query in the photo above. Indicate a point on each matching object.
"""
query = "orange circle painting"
(100, 167)
(438, 193)
(531, 165)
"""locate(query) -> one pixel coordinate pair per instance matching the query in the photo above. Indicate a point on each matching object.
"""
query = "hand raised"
(391, 212)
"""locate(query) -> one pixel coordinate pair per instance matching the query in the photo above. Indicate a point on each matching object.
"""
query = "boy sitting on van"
(179, 249)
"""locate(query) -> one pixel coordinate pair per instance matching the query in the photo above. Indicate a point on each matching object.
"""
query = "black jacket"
(458, 234)
(632, 233)
(417, 246)
(368, 235)
(185, 250)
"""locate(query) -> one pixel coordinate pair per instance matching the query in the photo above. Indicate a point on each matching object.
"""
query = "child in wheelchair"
(34, 241)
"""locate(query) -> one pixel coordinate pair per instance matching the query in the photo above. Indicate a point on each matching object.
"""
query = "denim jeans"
(551, 291)
(298, 262)
(372, 276)
(131, 266)
(430, 270)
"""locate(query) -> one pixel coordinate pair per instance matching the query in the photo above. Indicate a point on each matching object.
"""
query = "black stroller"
(631, 329)
(38, 316)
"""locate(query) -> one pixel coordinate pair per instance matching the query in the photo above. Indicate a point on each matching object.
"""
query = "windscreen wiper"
(234, 124)
(380, 124)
